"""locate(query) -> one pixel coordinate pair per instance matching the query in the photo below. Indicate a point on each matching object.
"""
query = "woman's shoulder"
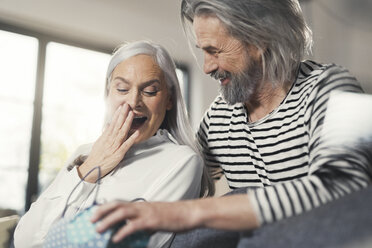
(172, 145)
(176, 157)
(174, 149)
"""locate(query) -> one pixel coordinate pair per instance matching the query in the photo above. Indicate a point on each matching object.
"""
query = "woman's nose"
(134, 99)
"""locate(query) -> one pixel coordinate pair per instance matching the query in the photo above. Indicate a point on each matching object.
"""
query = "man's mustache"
(219, 74)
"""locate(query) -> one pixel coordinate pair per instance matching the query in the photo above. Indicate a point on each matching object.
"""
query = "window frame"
(32, 188)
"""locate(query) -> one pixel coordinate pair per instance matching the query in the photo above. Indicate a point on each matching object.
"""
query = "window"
(51, 101)
(73, 104)
(17, 81)
(183, 79)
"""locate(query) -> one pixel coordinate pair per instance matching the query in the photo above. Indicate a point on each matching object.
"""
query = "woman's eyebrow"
(122, 79)
(150, 82)
(144, 84)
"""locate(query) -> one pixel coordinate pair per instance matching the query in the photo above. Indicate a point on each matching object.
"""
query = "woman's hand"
(111, 146)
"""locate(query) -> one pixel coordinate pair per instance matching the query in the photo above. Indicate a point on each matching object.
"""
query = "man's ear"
(256, 52)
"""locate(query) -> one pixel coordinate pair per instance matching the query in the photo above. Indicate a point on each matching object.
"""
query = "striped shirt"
(280, 157)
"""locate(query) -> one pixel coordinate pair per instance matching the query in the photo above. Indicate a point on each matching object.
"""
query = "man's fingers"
(128, 229)
(118, 215)
(104, 209)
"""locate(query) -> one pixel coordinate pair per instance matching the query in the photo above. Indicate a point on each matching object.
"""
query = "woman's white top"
(157, 169)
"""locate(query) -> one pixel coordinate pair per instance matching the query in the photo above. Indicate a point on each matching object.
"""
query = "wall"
(342, 32)
(108, 23)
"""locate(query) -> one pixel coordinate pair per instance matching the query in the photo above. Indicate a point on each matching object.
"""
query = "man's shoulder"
(320, 75)
(310, 68)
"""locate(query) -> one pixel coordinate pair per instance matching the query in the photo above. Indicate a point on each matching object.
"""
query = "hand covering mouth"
(138, 121)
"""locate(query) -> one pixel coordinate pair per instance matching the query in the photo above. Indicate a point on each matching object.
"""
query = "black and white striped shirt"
(282, 154)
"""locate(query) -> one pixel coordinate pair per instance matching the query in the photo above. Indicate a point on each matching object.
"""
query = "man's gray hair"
(176, 120)
(276, 28)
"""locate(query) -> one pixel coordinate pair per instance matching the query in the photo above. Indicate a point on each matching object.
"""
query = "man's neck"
(268, 99)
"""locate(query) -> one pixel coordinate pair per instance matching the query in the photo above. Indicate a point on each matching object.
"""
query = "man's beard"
(242, 86)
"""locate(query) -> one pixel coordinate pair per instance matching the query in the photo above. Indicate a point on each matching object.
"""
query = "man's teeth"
(222, 79)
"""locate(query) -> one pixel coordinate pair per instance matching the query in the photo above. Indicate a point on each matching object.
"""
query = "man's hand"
(111, 146)
(229, 212)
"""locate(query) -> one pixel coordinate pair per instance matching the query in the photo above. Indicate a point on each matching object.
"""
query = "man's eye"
(213, 52)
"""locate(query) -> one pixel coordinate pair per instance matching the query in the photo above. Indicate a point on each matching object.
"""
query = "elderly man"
(264, 131)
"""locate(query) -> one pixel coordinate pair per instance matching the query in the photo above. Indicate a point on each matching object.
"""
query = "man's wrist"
(203, 212)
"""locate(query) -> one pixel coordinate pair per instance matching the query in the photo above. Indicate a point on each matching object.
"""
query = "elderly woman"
(145, 151)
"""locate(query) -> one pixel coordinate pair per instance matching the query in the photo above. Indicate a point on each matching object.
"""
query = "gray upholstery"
(205, 237)
(343, 223)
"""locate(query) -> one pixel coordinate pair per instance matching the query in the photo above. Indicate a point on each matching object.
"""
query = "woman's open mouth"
(138, 121)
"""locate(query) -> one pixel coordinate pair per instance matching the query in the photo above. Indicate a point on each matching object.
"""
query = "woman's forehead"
(138, 66)
(138, 69)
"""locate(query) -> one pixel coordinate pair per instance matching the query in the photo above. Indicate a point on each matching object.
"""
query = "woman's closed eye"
(122, 90)
(150, 90)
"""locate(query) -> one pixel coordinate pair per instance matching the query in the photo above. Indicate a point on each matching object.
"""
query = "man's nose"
(210, 63)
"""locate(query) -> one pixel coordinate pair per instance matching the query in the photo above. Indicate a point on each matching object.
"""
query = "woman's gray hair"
(176, 120)
(277, 28)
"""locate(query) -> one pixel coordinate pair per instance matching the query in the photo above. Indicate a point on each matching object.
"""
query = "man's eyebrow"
(207, 48)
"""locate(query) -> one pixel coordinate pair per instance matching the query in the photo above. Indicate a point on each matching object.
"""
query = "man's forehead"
(208, 30)
(208, 23)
